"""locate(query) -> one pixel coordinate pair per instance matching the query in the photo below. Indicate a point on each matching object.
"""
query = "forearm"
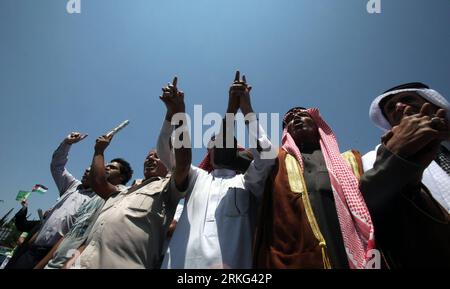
(183, 155)
(63, 179)
(60, 156)
(260, 140)
(263, 159)
(168, 116)
(164, 147)
(246, 109)
(227, 131)
(20, 219)
(98, 179)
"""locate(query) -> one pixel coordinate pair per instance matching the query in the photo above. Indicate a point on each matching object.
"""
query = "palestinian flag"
(22, 195)
(39, 189)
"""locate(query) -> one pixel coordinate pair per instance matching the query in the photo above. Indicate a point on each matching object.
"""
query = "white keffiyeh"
(430, 95)
(434, 177)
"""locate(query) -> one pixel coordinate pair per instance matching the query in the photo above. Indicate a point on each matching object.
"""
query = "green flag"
(22, 195)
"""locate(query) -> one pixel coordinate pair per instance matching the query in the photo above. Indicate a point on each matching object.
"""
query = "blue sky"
(90, 71)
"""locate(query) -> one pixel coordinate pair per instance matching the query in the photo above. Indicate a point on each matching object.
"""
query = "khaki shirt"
(132, 226)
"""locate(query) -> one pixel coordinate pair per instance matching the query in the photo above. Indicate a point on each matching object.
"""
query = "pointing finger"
(175, 81)
(237, 76)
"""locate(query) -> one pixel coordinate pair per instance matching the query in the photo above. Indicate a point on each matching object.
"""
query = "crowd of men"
(310, 206)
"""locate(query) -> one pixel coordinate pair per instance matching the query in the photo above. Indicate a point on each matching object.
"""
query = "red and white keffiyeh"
(354, 218)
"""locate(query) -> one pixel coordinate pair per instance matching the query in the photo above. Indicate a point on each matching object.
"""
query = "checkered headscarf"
(354, 218)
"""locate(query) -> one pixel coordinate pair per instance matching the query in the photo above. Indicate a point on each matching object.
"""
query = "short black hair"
(125, 169)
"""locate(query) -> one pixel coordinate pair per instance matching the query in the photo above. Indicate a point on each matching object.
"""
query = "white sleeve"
(63, 178)
(164, 146)
(369, 159)
(179, 210)
(263, 162)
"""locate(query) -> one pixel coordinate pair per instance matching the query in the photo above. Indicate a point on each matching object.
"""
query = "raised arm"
(63, 179)
(176, 112)
(98, 176)
(225, 142)
(164, 147)
(263, 152)
(20, 219)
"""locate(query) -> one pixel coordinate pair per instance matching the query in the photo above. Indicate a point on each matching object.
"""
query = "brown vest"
(287, 235)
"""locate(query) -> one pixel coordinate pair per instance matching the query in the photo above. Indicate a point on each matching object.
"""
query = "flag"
(22, 195)
(39, 189)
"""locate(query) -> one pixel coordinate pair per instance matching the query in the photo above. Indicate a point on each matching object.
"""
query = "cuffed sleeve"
(63, 179)
(263, 159)
(164, 147)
